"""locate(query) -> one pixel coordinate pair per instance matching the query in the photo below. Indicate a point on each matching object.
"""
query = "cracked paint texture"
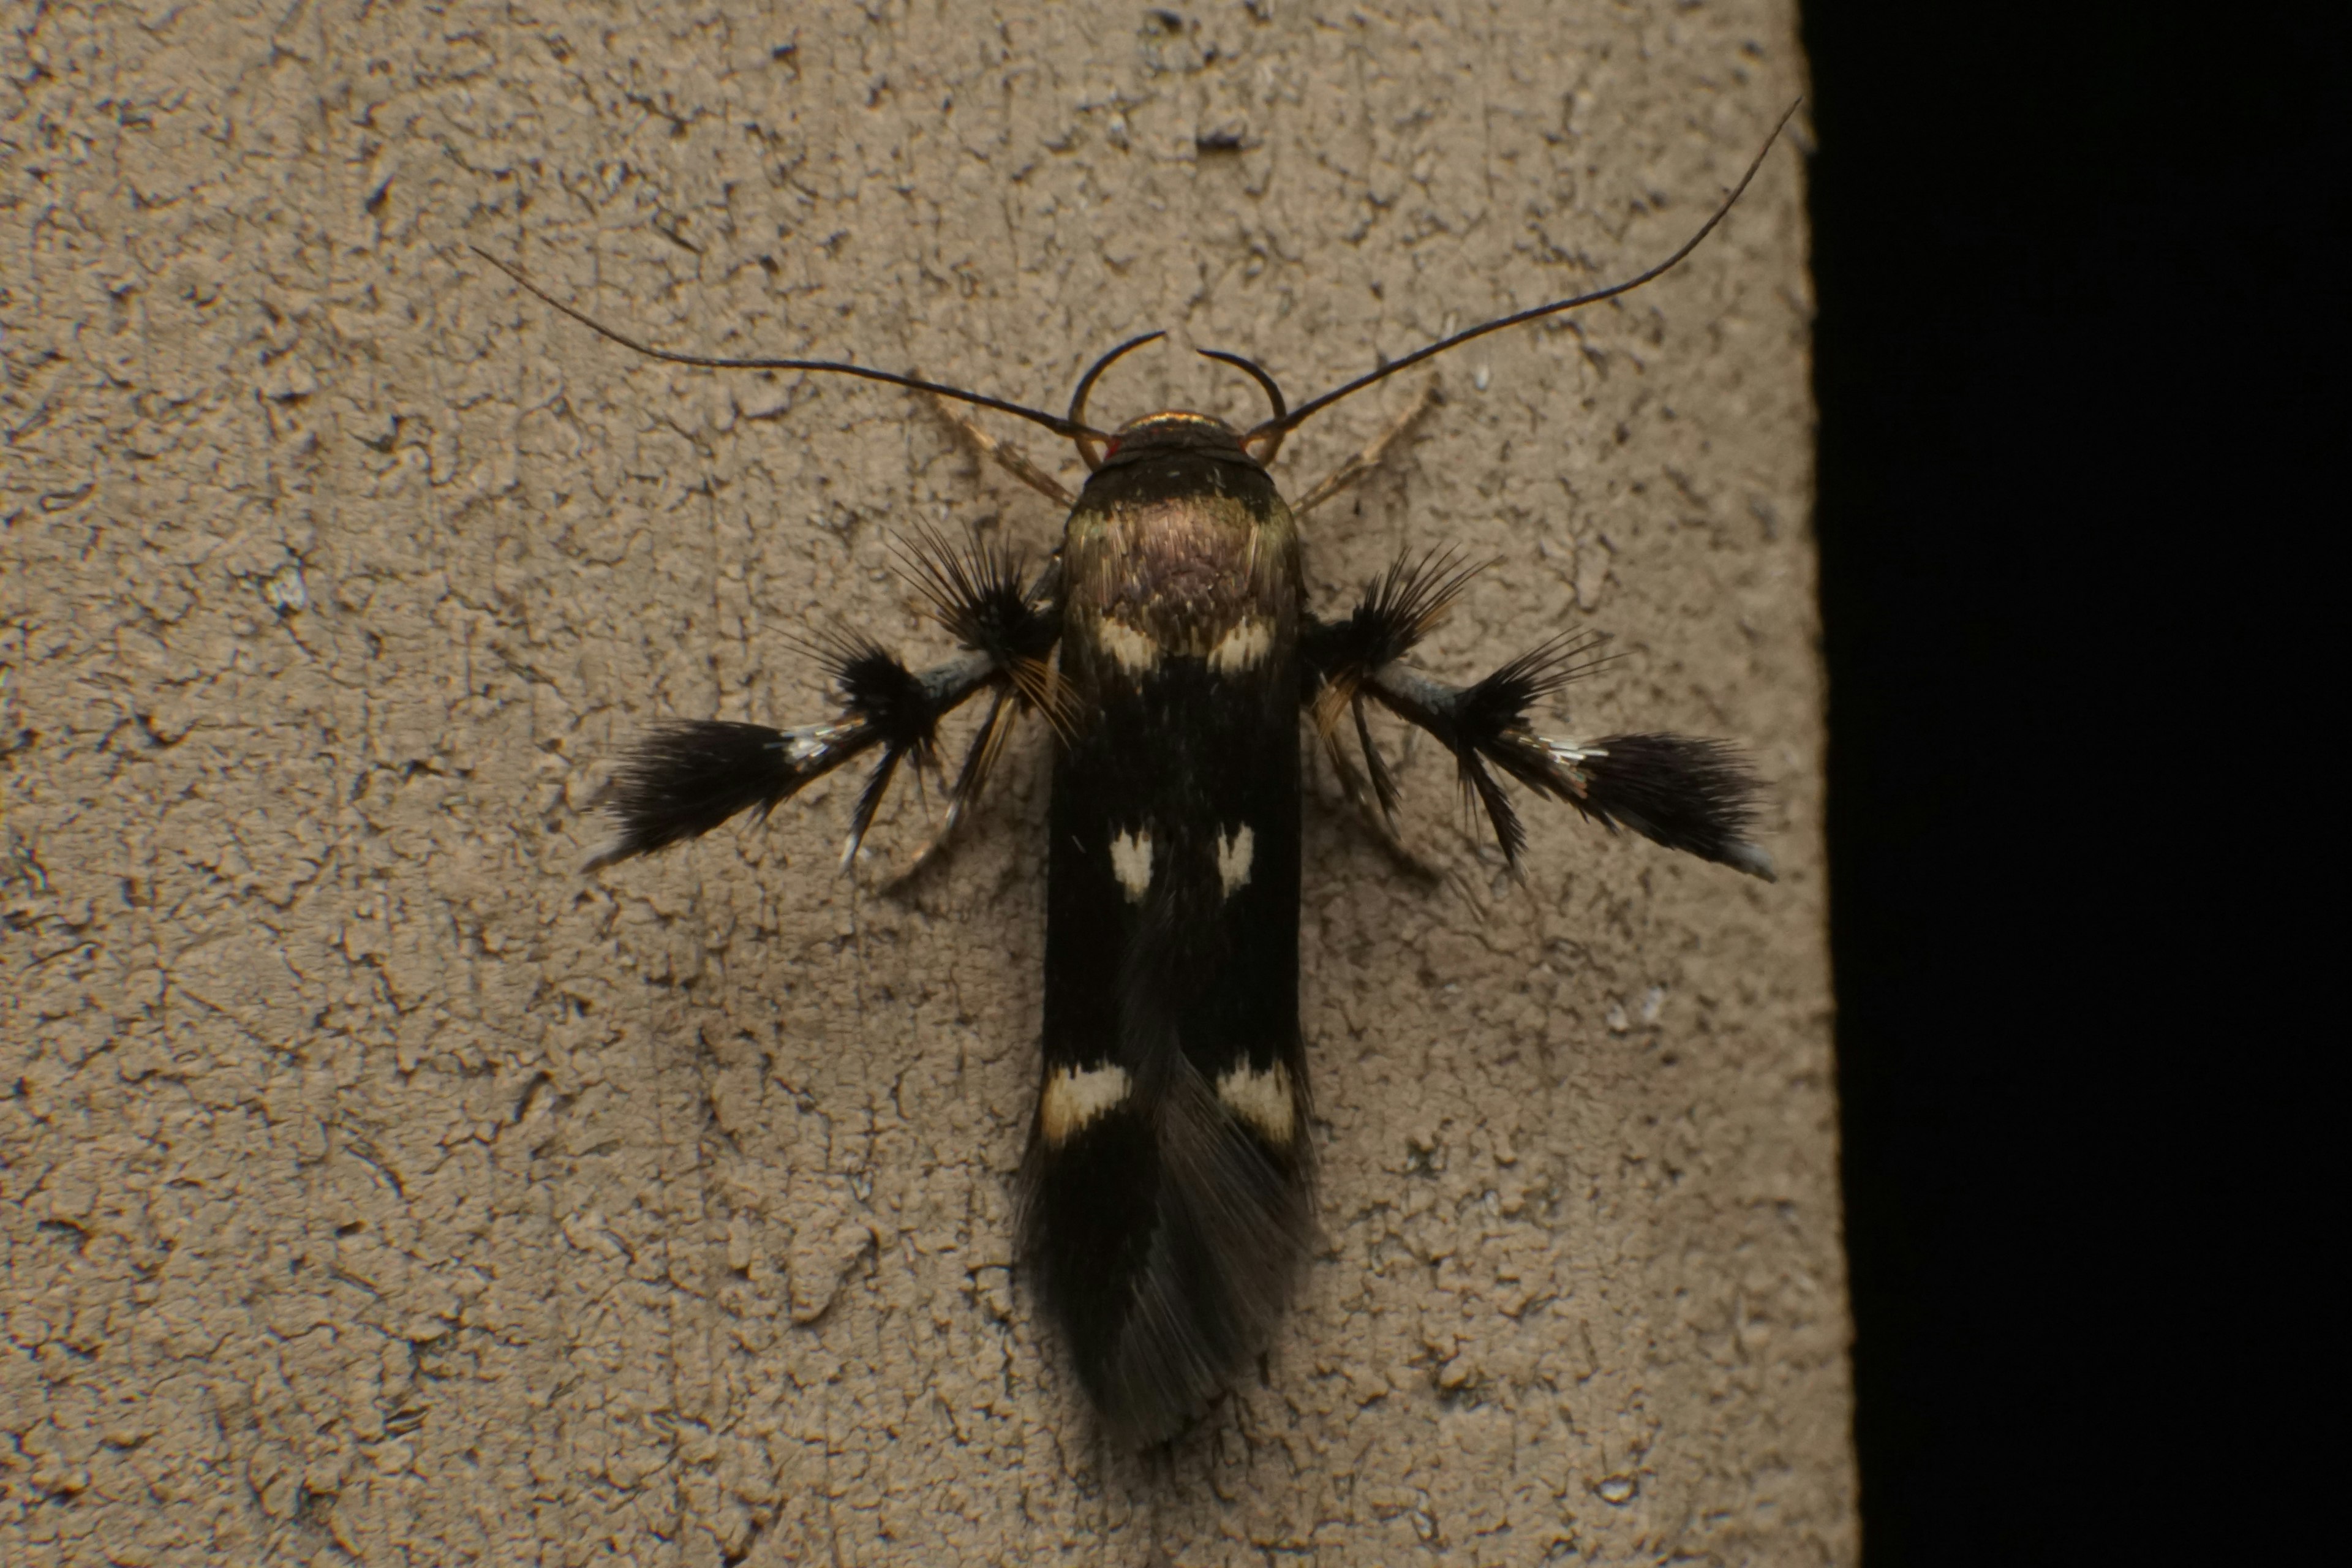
(374, 1187)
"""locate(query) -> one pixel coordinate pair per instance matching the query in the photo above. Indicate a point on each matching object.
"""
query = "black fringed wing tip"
(684, 777)
(1696, 796)
(1167, 1245)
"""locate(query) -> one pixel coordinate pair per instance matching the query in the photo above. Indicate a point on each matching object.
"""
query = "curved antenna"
(1089, 446)
(1271, 433)
(1255, 371)
(1070, 428)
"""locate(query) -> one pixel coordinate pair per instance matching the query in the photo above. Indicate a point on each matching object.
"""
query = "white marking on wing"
(1130, 862)
(809, 742)
(1072, 1097)
(1133, 651)
(1571, 756)
(1260, 1098)
(1235, 852)
(1242, 647)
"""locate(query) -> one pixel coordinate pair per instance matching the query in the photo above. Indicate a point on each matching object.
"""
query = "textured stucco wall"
(377, 1186)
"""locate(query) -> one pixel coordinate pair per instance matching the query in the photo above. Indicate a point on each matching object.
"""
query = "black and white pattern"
(1167, 1203)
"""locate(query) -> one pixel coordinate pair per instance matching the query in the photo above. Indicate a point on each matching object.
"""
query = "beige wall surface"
(379, 1187)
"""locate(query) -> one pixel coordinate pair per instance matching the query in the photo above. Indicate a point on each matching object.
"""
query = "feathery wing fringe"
(1696, 796)
(686, 777)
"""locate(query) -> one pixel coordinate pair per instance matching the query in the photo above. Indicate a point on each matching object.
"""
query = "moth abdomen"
(1164, 1231)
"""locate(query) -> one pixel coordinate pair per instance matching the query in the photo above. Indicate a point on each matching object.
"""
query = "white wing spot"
(1570, 756)
(1242, 647)
(809, 742)
(1130, 862)
(1260, 1098)
(1133, 651)
(1235, 852)
(1073, 1098)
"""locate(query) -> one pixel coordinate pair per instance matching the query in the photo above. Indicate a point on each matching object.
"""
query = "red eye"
(1111, 448)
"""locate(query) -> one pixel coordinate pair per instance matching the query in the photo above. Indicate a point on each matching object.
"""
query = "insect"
(1166, 1187)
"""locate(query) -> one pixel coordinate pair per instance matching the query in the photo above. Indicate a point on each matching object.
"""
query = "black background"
(2073, 268)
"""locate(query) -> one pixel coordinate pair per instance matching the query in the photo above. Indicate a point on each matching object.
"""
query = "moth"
(1166, 1190)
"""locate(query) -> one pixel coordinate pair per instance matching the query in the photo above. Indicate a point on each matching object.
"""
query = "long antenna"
(1255, 371)
(1271, 433)
(1069, 429)
(1090, 445)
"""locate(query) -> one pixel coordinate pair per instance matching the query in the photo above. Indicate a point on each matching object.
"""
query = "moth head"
(1172, 432)
(1172, 429)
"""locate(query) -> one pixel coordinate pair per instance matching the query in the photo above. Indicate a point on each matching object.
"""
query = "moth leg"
(987, 745)
(977, 593)
(1364, 809)
(1397, 610)
(1005, 455)
(685, 778)
(1687, 793)
(1370, 458)
(688, 776)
